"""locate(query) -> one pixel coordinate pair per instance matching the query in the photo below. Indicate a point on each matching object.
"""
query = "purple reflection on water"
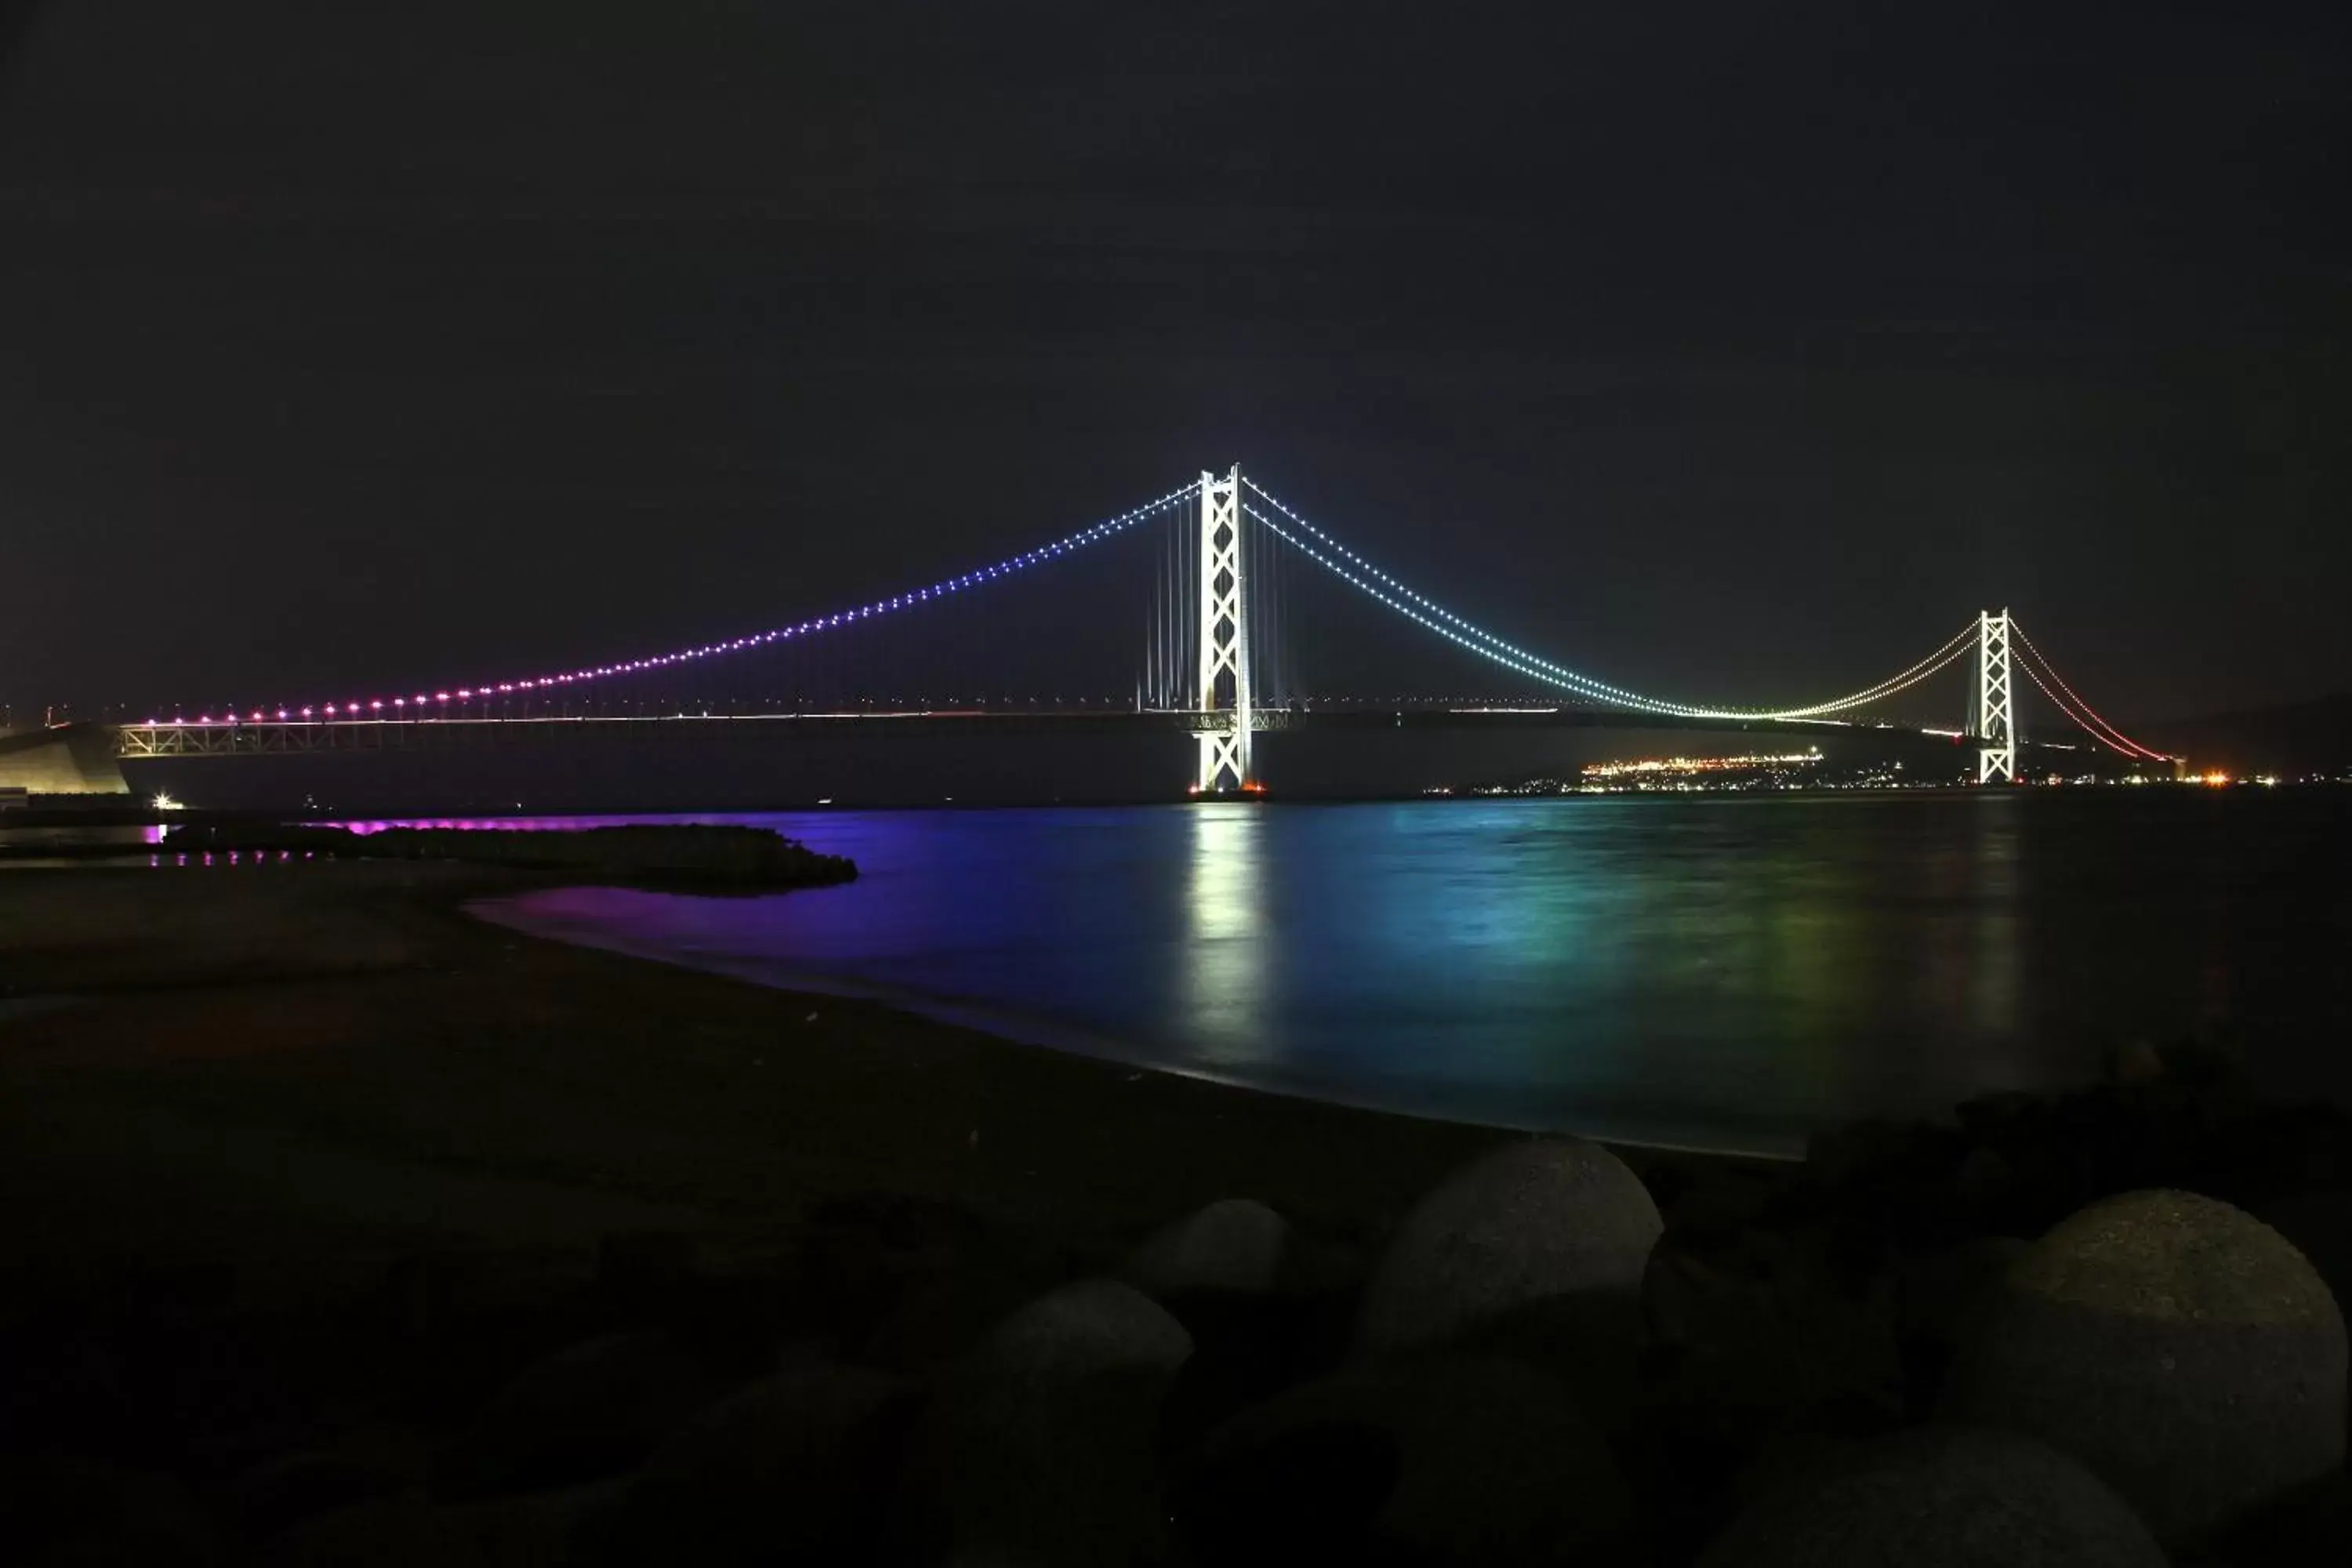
(1732, 973)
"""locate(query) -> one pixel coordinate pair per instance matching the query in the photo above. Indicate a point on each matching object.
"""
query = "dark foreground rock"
(796, 1467)
(1552, 1223)
(2178, 1346)
(1238, 1244)
(587, 1411)
(76, 1512)
(1940, 1498)
(1044, 1440)
(1438, 1461)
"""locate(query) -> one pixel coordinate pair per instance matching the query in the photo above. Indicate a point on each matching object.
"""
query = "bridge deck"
(291, 737)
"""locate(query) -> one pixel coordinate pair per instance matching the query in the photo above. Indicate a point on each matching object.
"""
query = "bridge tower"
(1995, 723)
(1224, 753)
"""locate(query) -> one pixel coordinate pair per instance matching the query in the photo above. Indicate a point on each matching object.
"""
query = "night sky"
(1731, 352)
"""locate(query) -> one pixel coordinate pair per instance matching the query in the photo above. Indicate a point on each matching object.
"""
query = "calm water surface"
(1721, 972)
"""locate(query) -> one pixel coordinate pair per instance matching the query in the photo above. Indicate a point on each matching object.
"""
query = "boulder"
(938, 1322)
(2311, 1527)
(1939, 1496)
(1939, 1298)
(397, 1531)
(69, 1511)
(1743, 1366)
(1237, 1245)
(2181, 1348)
(1441, 1459)
(1543, 1244)
(589, 1410)
(1042, 1440)
(795, 1467)
(283, 1491)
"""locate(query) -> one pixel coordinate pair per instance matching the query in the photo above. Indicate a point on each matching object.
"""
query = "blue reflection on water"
(1727, 972)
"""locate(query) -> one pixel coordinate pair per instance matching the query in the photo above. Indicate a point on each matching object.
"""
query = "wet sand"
(286, 1074)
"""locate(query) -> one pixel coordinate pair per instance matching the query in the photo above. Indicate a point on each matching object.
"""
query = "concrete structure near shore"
(63, 759)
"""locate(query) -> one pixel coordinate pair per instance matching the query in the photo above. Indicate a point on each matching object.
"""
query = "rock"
(938, 1322)
(639, 1273)
(1939, 1498)
(1939, 1293)
(537, 1530)
(1746, 1368)
(589, 1410)
(75, 1511)
(1715, 1205)
(1245, 1348)
(286, 1490)
(1446, 1459)
(2181, 1348)
(1042, 1439)
(399, 1531)
(1536, 1251)
(1238, 1244)
(795, 1467)
(2311, 1527)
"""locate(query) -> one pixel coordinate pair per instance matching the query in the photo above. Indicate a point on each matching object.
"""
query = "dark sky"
(1728, 350)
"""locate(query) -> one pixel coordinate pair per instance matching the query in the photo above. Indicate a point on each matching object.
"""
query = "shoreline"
(391, 1169)
(313, 1065)
(1038, 1032)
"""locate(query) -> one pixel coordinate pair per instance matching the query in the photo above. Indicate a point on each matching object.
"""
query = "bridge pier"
(1995, 716)
(65, 759)
(1223, 754)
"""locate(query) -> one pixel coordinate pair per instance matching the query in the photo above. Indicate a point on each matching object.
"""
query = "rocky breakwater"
(1556, 1355)
(686, 857)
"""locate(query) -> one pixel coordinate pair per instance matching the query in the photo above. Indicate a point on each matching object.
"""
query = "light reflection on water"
(1725, 971)
(1224, 960)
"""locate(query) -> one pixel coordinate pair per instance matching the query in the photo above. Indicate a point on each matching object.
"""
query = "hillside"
(2293, 738)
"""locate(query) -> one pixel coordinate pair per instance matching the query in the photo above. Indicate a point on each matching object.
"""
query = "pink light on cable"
(803, 629)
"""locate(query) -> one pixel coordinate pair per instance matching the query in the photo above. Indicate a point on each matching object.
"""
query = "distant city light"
(1601, 772)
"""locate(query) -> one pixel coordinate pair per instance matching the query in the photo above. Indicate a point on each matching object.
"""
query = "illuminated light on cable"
(1107, 529)
(1488, 646)
(2058, 702)
(1518, 660)
(2126, 745)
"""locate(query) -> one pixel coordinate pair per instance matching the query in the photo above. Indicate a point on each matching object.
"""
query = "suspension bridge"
(1215, 600)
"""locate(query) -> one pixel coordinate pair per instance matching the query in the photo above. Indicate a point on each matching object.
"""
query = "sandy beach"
(287, 1071)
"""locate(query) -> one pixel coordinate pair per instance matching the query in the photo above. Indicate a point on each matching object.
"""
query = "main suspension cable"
(2074, 707)
(1398, 597)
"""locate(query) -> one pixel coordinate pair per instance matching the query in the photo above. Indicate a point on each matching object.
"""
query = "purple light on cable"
(938, 590)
